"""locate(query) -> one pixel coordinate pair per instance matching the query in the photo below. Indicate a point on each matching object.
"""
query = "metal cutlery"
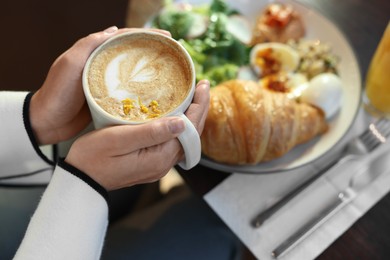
(374, 135)
(359, 180)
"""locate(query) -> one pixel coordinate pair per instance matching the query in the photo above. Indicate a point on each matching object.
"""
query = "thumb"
(128, 139)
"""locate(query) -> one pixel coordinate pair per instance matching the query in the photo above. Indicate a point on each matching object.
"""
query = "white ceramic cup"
(189, 139)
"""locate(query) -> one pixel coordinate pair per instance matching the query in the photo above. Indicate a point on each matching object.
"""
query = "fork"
(366, 142)
(358, 181)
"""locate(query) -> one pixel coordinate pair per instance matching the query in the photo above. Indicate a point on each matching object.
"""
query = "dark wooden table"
(363, 23)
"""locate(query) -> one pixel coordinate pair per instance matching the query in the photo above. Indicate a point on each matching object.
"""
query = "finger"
(155, 161)
(127, 139)
(167, 33)
(197, 111)
(122, 30)
(202, 89)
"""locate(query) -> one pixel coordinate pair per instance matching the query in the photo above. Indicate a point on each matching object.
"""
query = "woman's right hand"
(125, 155)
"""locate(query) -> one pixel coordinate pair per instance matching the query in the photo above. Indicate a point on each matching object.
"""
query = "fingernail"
(205, 82)
(176, 126)
(111, 30)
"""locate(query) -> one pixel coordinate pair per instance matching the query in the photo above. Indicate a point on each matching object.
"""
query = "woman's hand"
(58, 110)
(121, 156)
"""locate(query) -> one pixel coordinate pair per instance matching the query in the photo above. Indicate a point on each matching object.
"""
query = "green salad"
(211, 35)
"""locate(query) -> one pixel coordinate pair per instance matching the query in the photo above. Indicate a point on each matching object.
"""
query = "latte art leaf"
(124, 70)
(140, 73)
(112, 78)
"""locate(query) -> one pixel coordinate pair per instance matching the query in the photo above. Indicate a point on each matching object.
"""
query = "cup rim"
(180, 109)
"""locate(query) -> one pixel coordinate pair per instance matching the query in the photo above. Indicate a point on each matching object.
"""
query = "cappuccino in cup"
(139, 76)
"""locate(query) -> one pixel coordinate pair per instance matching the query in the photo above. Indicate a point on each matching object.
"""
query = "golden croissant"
(248, 124)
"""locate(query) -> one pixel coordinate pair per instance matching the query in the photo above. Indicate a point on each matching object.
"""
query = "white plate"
(317, 27)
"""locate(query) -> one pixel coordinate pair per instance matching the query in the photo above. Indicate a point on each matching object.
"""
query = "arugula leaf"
(221, 73)
(219, 6)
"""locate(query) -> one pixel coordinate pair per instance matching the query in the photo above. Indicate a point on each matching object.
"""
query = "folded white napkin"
(239, 198)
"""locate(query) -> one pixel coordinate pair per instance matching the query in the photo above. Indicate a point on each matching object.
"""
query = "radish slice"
(198, 27)
(247, 73)
(240, 28)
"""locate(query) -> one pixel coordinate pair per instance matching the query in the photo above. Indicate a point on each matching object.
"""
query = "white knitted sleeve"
(19, 154)
(70, 221)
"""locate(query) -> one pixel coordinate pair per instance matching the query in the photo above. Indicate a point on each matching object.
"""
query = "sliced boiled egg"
(290, 83)
(272, 57)
(325, 92)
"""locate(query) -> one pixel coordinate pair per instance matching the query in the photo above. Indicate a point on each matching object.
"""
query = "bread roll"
(248, 124)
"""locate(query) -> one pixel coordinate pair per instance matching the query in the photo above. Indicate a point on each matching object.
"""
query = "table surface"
(363, 23)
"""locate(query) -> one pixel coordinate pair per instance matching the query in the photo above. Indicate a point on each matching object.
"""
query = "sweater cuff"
(84, 177)
(29, 130)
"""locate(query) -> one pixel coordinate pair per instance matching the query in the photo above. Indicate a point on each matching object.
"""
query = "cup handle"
(190, 142)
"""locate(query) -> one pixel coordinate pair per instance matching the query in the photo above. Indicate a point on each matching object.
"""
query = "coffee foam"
(139, 68)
